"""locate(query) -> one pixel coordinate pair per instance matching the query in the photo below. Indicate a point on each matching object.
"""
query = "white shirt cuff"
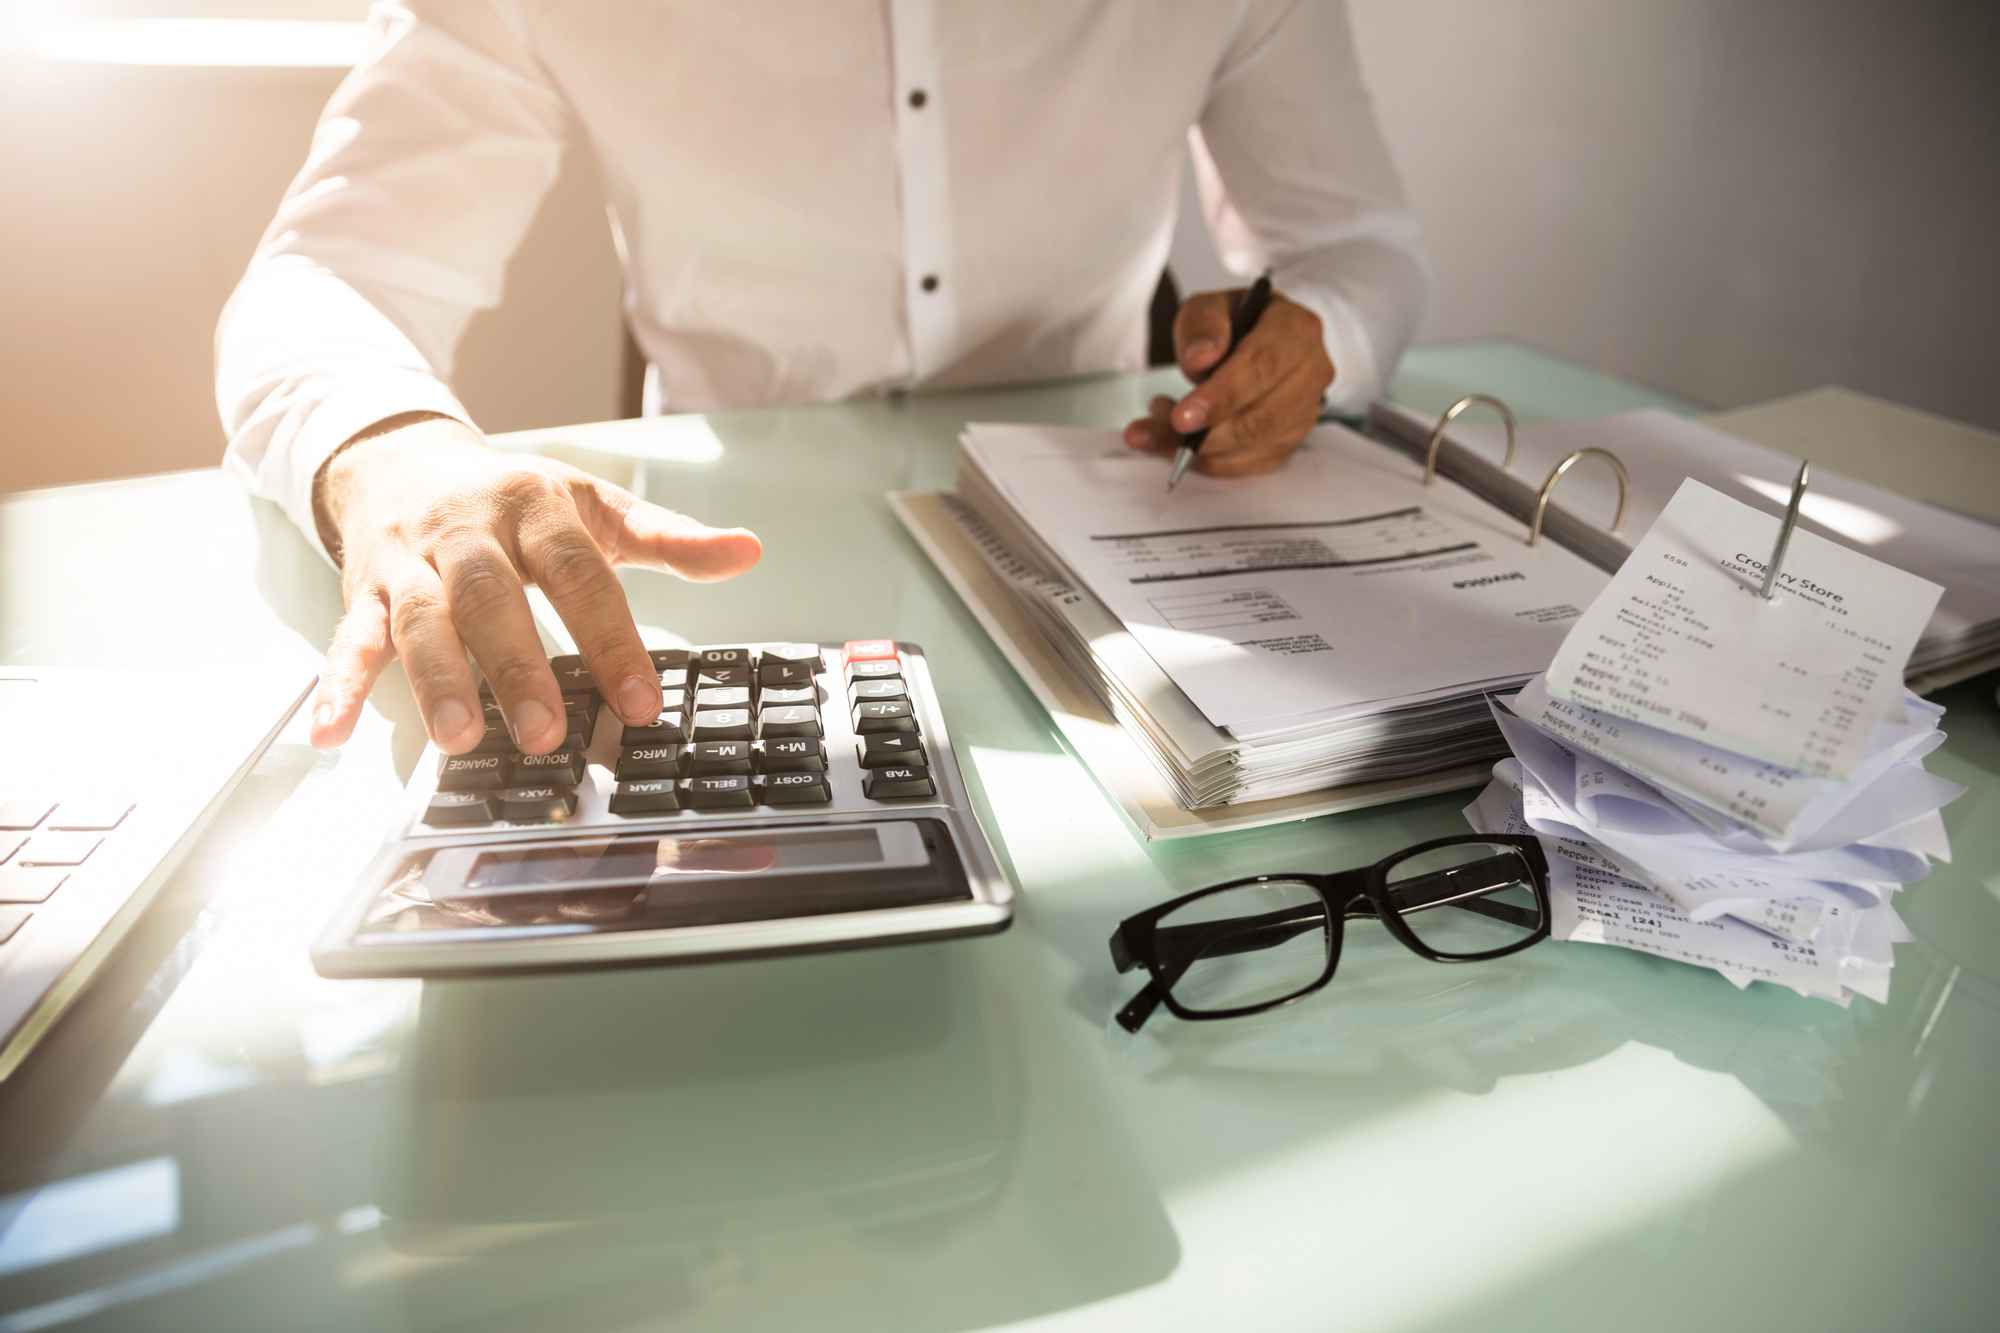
(341, 416)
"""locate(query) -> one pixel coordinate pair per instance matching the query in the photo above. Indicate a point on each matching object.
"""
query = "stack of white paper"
(1334, 623)
(1729, 781)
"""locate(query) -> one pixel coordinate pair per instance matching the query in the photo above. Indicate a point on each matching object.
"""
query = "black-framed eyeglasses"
(1252, 944)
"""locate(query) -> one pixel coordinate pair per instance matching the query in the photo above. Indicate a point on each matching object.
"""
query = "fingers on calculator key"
(901, 782)
(717, 793)
(561, 556)
(647, 796)
(454, 809)
(668, 728)
(795, 754)
(529, 804)
(649, 761)
(875, 715)
(489, 609)
(891, 749)
(796, 789)
(434, 658)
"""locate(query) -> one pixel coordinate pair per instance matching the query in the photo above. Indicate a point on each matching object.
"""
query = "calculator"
(790, 797)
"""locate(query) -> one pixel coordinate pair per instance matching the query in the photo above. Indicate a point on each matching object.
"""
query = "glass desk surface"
(949, 1136)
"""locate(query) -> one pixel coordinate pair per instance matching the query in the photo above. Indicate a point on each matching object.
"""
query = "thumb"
(1201, 333)
(648, 534)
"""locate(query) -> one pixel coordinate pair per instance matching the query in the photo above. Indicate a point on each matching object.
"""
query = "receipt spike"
(1777, 559)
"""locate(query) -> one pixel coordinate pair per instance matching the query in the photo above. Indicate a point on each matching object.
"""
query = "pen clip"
(1777, 560)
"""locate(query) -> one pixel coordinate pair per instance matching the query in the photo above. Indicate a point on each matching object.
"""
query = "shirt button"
(917, 98)
(930, 282)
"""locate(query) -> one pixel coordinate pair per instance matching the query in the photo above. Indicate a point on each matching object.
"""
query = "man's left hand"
(1260, 402)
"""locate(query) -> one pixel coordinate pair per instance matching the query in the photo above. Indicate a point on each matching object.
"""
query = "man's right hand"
(437, 535)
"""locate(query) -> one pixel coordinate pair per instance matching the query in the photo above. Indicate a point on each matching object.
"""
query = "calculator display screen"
(664, 880)
(642, 860)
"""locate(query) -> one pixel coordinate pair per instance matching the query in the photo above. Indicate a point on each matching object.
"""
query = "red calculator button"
(869, 650)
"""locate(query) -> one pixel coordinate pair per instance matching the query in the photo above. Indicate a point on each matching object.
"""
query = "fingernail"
(639, 700)
(1201, 350)
(1135, 435)
(323, 715)
(449, 720)
(528, 720)
(1191, 415)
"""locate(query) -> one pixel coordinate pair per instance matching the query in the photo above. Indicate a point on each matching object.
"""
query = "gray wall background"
(1730, 200)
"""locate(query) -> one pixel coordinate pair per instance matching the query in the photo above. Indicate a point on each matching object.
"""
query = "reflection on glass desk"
(947, 1137)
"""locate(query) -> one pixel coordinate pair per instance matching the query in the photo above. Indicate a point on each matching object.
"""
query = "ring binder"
(1555, 475)
(1451, 414)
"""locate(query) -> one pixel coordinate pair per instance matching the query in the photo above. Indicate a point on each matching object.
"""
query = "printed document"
(1332, 588)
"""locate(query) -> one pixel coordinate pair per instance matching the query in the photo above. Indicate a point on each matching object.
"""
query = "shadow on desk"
(842, 1141)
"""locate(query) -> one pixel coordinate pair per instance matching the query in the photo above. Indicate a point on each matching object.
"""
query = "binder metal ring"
(1451, 414)
(1555, 475)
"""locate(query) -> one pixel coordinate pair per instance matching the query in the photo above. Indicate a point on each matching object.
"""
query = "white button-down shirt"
(813, 199)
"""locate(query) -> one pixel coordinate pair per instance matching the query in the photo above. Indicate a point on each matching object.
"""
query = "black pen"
(1241, 321)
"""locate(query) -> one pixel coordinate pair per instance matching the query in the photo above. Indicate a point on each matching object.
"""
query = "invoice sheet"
(1683, 641)
(1339, 582)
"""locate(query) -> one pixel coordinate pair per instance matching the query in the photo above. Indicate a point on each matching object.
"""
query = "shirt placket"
(929, 288)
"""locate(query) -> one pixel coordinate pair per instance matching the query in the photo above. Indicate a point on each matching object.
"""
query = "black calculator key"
(454, 809)
(794, 754)
(721, 724)
(889, 784)
(674, 681)
(772, 695)
(564, 766)
(543, 801)
(472, 772)
(572, 674)
(710, 758)
(785, 673)
(788, 720)
(710, 658)
(886, 687)
(796, 789)
(793, 654)
(873, 715)
(722, 696)
(720, 793)
(670, 659)
(648, 796)
(650, 761)
(665, 729)
(874, 670)
(722, 675)
(889, 749)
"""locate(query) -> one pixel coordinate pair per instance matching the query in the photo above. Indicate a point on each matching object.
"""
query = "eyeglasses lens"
(1466, 898)
(1246, 945)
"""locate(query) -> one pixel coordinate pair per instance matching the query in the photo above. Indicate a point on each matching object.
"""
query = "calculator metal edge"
(335, 955)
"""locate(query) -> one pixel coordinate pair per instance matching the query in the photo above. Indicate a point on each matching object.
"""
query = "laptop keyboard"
(740, 728)
(42, 843)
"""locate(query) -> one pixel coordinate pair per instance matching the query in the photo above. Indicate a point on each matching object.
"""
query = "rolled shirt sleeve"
(1295, 176)
(426, 169)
